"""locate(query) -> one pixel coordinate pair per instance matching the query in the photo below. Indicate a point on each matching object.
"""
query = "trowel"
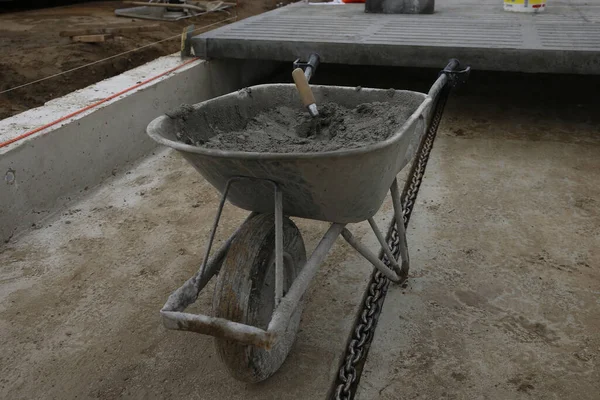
(305, 92)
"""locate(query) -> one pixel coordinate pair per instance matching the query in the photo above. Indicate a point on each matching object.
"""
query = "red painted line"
(84, 109)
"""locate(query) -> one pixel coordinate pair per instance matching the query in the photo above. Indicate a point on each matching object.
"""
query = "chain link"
(377, 289)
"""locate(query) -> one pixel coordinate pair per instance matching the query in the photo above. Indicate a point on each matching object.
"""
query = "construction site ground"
(32, 48)
(502, 300)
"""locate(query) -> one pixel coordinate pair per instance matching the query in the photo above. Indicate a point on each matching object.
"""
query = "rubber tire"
(247, 279)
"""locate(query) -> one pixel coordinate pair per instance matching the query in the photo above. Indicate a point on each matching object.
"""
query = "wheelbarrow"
(263, 271)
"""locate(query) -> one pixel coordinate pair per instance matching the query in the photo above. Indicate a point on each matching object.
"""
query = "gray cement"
(293, 130)
(503, 300)
(563, 39)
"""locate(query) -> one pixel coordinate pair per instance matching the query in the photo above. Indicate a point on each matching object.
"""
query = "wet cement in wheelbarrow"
(288, 130)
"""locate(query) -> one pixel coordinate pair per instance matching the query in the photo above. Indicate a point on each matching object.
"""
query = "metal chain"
(365, 325)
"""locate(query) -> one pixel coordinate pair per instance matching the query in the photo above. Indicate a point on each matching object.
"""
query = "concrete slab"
(80, 295)
(563, 39)
(504, 297)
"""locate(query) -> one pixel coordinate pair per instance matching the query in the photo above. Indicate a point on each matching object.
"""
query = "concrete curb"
(54, 166)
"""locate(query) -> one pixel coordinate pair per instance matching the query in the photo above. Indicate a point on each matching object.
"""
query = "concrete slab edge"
(46, 170)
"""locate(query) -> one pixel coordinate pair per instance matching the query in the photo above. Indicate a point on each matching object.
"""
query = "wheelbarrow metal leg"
(403, 246)
(246, 334)
(370, 256)
(187, 294)
(278, 245)
(398, 272)
(214, 227)
(384, 245)
(285, 309)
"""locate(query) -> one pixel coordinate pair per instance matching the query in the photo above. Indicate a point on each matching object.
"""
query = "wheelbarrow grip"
(452, 65)
(454, 74)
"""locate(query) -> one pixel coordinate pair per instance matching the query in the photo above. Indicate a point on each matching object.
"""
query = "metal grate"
(564, 39)
(574, 36)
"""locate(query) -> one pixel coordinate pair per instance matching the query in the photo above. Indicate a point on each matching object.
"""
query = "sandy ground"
(504, 296)
(32, 49)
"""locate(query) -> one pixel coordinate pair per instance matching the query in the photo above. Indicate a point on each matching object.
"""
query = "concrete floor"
(502, 302)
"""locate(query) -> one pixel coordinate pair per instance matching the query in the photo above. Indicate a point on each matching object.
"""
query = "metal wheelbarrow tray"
(263, 269)
(335, 186)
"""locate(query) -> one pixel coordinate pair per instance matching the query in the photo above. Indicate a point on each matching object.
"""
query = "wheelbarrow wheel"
(245, 293)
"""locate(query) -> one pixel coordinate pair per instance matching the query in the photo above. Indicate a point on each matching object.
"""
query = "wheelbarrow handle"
(453, 64)
(456, 76)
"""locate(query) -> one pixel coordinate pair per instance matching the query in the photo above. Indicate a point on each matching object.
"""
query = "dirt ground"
(31, 48)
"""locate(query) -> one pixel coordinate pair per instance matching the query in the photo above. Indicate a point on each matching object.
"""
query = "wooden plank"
(166, 5)
(89, 38)
(108, 31)
(199, 6)
(211, 4)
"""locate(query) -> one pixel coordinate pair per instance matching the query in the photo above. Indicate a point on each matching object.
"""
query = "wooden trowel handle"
(306, 94)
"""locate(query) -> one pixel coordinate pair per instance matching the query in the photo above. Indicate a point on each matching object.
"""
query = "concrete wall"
(52, 167)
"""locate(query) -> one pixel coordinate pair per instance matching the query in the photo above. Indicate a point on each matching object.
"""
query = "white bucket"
(531, 6)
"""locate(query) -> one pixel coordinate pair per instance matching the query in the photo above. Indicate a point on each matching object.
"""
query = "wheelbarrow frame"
(174, 317)
(173, 312)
